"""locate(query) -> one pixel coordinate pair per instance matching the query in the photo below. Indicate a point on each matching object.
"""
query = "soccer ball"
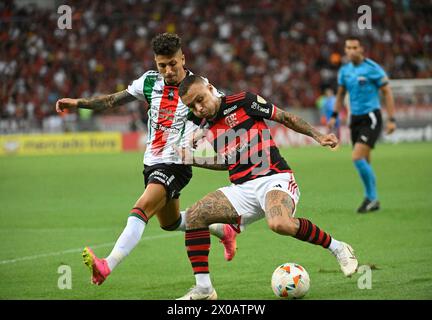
(290, 280)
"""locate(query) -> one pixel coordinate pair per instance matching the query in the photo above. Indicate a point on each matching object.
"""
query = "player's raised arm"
(96, 103)
(301, 126)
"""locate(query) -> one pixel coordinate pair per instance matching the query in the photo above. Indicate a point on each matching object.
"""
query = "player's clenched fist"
(66, 103)
(328, 140)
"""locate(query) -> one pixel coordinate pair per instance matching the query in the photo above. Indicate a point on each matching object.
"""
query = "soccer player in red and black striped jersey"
(263, 184)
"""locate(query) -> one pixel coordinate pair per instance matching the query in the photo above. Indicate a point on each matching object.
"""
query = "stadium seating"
(286, 50)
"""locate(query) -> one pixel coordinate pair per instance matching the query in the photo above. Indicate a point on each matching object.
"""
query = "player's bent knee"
(149, 207)
(276, 227)
(361, 151)
(285, 227)
(356, 157)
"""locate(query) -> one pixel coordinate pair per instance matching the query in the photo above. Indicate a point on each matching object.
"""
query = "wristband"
(391, 119)
(334, 114)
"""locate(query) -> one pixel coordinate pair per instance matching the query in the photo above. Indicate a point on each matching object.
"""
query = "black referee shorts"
(366, 128)
(174, 177)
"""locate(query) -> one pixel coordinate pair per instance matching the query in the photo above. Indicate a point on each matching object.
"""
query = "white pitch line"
(44, 255)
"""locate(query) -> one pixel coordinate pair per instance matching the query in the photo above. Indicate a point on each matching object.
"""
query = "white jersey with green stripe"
(167, 118)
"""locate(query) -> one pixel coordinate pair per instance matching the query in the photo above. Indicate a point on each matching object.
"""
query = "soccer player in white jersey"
(164, 174)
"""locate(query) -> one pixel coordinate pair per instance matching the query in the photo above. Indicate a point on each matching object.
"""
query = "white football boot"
(200, 293)
(346, 258)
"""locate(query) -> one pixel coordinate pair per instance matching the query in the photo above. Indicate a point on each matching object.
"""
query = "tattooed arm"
(299, 125)
(212, 163)
(96, 103)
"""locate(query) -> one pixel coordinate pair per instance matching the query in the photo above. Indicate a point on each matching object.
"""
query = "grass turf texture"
(51, 207)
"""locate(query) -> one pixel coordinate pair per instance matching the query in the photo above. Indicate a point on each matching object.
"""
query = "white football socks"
(203, 280)
(217, 229)
(182, 225)
(334, 245)
(129, 238)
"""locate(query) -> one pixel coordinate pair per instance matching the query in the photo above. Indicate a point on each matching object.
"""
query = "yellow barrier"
(70, 143)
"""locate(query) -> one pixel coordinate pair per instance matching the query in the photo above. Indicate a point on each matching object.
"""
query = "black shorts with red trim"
(174, 177)
(366, 128)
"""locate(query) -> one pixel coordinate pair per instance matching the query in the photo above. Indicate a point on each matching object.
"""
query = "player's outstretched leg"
(98, 267)
(197, 243)
(308, 231)
(279, 211)
(197, 240)
(129, 238)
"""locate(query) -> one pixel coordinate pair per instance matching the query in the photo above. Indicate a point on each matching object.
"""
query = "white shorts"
(248, 198)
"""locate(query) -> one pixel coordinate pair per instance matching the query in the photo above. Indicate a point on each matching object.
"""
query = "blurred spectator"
(286, 50)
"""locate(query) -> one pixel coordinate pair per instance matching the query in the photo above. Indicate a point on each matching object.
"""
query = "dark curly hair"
(166, 44)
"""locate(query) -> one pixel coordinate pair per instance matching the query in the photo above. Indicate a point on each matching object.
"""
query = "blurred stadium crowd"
(286, 50)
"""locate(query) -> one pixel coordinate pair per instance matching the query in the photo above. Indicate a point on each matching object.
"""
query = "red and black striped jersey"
(240, 135)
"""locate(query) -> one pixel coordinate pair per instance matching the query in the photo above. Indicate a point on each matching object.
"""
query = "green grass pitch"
(51, 207)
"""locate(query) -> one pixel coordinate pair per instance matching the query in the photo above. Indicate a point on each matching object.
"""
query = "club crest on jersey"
(231, 120)
(171, 94)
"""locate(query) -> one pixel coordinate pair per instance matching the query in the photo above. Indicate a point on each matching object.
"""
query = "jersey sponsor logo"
(230, 109)
(162, 177)
(261, 99)
(256, 106)
(166, 114)
(231, 120)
